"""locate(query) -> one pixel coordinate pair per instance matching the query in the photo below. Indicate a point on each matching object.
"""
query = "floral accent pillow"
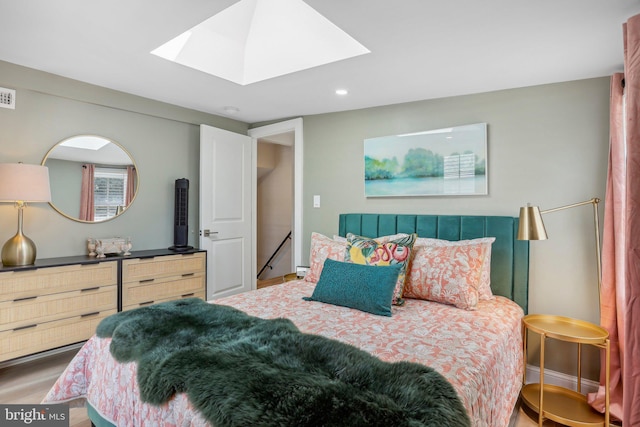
(363, 250)
(484, 289)
(446, 274)
(322, 248)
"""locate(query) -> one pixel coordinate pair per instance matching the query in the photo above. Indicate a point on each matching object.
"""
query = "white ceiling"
(420, 49)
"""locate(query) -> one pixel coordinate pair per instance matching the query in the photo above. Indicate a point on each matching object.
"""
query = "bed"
(478, 350)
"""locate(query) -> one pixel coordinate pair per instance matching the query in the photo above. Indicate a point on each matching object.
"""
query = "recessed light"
(231, 110)
(341, 92)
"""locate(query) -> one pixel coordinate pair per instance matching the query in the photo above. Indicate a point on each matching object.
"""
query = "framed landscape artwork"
(441, 162)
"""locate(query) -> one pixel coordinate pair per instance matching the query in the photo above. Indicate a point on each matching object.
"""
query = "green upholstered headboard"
(509, 256)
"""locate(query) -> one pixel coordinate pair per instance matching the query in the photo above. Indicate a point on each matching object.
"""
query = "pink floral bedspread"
(479, 352)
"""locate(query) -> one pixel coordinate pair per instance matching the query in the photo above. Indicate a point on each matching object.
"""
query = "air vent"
(7, 98)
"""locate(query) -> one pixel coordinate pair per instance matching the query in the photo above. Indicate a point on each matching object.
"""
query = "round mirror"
(92, 178)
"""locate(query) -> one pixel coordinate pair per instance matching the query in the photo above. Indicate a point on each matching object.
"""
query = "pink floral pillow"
(484, 290)
(323, 247)
(363, 250)
(446, 274)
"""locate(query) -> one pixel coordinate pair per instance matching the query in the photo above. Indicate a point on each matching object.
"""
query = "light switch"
(316, 201)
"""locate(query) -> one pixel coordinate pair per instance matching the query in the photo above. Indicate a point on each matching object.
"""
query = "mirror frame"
(133, 162)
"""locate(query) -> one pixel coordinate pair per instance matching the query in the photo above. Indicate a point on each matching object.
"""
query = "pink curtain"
(620, 298)
(131, 184)
(86, 193)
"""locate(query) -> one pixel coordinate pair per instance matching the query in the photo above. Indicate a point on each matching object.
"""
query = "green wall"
(163, 139)
(65, 180)
(547, 145)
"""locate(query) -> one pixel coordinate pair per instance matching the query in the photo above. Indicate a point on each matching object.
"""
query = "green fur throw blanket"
(240, 370)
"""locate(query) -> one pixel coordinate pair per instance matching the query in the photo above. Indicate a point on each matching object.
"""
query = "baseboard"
(33, 357)
(561, 379)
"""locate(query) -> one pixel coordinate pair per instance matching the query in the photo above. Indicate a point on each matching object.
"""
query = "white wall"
(547, 145)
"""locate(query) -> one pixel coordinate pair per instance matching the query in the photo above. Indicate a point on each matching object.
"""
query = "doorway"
(274, 206)
(287, 134)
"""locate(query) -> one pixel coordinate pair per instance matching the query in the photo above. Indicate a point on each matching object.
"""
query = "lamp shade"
(24, 183)
(531, 226)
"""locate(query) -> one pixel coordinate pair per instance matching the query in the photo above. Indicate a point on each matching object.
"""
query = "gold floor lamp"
(21, 183)
(531, 227)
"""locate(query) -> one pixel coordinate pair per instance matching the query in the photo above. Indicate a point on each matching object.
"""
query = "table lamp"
(21, 183)
(531, 227)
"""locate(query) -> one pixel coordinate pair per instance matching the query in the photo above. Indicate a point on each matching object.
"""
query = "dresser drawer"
(61, 301)
(164, 266)
(167, 289)
(194, 294)
(29, 311)
(49, 335)
(43, 281)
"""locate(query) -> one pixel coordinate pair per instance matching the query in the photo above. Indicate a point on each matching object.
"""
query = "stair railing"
(268, 263)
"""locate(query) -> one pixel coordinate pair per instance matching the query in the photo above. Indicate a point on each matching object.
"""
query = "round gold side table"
(556, 403)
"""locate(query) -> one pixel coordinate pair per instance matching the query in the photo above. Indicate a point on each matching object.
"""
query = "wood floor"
(269, 282)
(30, 382)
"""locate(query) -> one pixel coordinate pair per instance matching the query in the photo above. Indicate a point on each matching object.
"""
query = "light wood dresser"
(164, 278)
(59, 301)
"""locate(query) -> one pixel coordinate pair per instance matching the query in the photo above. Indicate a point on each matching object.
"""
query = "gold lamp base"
(19, 250)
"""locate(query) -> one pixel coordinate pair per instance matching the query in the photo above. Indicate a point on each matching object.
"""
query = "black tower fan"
(181, 216)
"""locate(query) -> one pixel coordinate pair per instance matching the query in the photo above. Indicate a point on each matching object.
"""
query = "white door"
(226, 194)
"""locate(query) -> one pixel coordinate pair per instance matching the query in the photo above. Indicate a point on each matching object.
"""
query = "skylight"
(85, 142)
(255, 40)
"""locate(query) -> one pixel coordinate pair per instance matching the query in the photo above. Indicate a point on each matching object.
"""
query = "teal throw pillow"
(363, 287)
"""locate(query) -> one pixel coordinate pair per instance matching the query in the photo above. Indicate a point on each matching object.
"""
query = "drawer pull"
(90, 314)
(25, 327)
(95, 288)
(24, 299)
(146, 303)
(188, 274)
(24, 269)
(146, 280)
(188, 295)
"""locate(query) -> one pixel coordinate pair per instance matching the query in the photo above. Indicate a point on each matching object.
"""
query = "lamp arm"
(596, 219)
(593, 201)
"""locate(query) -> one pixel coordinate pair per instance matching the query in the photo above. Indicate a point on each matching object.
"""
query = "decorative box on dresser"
(58, 302)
